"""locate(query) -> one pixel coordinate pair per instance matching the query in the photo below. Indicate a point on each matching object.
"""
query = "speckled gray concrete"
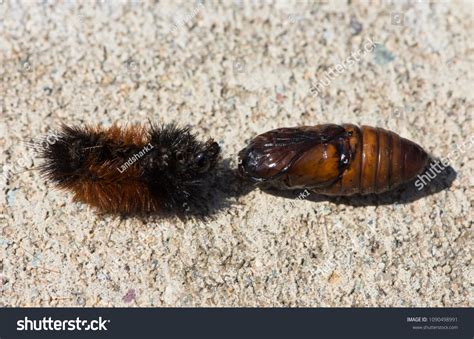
(234, 71)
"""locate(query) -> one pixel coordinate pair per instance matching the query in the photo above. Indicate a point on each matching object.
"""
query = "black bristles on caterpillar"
(132, 170)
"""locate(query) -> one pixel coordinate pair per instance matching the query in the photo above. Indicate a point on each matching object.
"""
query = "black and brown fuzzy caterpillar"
(132, 170)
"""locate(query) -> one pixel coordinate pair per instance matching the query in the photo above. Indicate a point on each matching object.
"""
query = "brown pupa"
(332, 159)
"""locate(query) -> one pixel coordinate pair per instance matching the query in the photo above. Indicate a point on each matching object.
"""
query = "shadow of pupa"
(427, 183)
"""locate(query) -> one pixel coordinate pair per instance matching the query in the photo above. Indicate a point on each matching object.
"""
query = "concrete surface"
(234, 70)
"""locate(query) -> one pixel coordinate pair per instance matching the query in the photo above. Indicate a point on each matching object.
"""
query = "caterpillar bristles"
(132, 170)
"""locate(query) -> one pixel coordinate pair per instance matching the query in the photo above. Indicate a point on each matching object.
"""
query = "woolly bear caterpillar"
(133, 169)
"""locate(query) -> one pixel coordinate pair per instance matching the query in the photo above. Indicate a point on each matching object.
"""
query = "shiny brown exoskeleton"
(332, 159)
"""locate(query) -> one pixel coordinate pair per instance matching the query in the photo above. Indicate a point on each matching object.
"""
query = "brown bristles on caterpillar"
(132, 170)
